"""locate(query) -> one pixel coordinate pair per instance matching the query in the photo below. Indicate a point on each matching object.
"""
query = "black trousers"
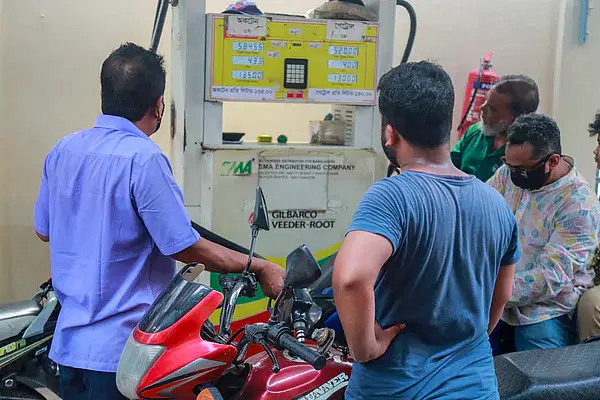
(81, 384)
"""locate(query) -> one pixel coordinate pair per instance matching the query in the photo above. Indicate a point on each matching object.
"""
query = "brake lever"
(276, 368)
(257, 333)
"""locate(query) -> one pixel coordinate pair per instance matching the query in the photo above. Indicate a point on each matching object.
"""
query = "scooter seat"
(19, 309)
(10, 328)
(554, 374)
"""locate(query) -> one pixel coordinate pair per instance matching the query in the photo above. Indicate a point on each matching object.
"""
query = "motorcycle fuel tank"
(296, 380)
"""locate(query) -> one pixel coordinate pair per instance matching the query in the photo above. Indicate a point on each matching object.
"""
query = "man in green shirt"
(481, 149)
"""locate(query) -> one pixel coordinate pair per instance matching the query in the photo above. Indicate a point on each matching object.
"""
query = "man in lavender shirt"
(116, 223)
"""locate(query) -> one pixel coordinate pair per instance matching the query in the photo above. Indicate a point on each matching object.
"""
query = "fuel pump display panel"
(272, 60)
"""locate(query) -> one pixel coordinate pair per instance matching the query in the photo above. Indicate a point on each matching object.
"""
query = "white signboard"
(294, 182)
(346, 30)
(246, 26)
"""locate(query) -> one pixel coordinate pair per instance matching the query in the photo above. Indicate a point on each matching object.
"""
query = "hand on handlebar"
(270, 276)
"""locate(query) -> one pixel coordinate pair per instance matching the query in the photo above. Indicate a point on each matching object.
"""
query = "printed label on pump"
(328, 95)
(346, 30)
(240, 92)
(238, 25)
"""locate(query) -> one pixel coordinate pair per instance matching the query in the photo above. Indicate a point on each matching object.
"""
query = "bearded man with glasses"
(558, 215)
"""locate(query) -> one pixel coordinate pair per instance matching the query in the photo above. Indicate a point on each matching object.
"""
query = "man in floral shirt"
(558, 216)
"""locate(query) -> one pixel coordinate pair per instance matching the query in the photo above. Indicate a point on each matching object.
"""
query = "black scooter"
(26, 331)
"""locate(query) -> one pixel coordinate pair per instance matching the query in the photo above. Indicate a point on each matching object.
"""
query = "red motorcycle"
(176, 352)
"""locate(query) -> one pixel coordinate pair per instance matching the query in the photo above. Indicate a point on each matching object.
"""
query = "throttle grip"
(302, 351)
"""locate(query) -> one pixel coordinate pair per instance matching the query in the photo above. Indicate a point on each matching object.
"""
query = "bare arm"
(355, 270)
(217, 258)
(43, 238)
(502, 293)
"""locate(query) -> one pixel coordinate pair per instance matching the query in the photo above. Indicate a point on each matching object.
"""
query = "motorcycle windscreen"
(178, 298)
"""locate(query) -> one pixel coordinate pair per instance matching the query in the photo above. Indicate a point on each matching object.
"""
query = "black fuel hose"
(159, 22)
(220, 240)
(413, 28)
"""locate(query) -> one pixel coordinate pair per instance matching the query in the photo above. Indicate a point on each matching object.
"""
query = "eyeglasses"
(523, 171)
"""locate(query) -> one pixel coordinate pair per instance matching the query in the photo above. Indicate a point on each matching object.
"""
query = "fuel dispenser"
(312, 187)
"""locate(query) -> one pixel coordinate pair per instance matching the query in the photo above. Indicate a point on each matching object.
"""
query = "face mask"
(159, 121)
(531, 180)
(389, 152)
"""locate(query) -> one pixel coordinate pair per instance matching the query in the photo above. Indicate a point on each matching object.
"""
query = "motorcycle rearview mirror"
(301, 268)
(260, 217)
(260, 221)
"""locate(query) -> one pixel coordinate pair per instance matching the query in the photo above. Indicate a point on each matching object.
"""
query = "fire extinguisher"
(480, 82)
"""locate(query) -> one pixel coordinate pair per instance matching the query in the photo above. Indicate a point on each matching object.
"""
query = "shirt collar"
(118, 124)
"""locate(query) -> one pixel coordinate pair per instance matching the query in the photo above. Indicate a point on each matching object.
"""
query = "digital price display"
(250, 61)
(343, 78)
(343, 51)
(249, 46)
(247, 75)
(343, 64)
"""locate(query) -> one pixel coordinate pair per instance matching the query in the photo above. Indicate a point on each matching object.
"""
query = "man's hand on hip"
(385, 337)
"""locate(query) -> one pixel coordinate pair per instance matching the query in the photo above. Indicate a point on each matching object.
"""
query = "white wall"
(457, 34)
(51, 52)
(4, 242)
(50, 72)
(577, 91)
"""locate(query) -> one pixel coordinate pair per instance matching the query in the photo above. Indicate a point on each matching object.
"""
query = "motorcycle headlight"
(314, 314)
(135, 361)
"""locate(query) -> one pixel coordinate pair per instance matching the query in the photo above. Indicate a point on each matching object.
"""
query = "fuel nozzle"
(324, 338)
(300, 329)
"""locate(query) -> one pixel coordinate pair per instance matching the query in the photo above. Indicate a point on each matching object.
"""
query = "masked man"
(481, 149)
(558, 217)
(115, 220)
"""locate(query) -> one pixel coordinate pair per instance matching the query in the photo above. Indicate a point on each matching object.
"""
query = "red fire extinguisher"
(480, 82)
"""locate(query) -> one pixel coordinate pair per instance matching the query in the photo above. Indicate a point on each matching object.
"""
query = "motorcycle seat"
(19, 309)
(565, 373)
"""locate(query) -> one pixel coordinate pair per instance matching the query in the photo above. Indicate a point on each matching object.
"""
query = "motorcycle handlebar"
(315, 359)
(229, 308)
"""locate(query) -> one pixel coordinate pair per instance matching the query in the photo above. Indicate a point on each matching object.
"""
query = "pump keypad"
(295, 73)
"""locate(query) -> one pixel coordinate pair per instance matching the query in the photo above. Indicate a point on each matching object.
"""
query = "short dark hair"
(522, 91)
(132, 80)
(594, 127)
(417, 100)
(540, 131)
